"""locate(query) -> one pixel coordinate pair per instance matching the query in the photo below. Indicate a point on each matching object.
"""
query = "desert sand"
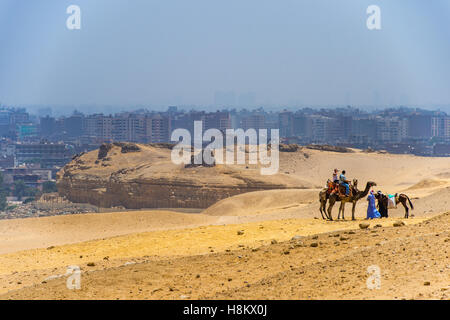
(255, 245)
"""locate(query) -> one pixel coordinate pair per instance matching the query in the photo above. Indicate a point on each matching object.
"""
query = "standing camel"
(324, 195)
(353, 198)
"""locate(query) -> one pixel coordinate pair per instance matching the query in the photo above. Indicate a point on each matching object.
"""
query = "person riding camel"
(333, 184)
(336, 176)
(344, 182)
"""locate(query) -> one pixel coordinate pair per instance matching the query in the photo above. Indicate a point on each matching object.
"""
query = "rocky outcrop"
(144, 177)
(289, 147)
(325, 147)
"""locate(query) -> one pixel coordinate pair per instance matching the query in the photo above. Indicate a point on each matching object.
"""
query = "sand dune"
(428, 183)
(262, 202)
(389, 171)
(444, 175)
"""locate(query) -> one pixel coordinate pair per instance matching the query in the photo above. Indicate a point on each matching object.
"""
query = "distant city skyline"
(42, 110)
(213, 54)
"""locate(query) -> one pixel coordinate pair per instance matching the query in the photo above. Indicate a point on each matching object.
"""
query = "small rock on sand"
(364, 225)
(399, 224)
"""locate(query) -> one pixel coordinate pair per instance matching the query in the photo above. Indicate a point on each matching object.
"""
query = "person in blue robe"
(372, 212)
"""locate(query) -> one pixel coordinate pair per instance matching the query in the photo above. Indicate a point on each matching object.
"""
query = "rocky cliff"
(143, 176)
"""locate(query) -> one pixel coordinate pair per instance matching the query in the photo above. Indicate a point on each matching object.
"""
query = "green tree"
(22, 190)
(49, 187)
(19, 189)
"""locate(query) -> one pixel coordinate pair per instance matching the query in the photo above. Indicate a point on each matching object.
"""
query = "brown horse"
(403, 198)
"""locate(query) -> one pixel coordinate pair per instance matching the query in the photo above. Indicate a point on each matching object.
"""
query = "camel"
(353, 198)
(324, 195)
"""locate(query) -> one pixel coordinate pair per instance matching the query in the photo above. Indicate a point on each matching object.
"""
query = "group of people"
(374, 210)
(381, 209)
(340, 179)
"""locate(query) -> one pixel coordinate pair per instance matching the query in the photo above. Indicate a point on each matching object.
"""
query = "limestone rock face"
(143, 176)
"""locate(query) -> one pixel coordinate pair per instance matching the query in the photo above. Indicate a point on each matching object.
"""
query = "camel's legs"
(321, 209)
(353, 210)
(341, 210)
(330, 208)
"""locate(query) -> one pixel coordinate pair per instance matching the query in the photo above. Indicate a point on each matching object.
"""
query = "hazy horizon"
(212, 54)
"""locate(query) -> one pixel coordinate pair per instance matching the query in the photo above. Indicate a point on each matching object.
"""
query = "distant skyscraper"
(286, 123)
(419, 126)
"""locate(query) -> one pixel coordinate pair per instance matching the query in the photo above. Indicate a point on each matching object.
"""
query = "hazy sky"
(166, 52)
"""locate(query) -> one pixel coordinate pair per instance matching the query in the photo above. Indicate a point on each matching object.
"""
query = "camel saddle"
(342, 191)
(339, 189)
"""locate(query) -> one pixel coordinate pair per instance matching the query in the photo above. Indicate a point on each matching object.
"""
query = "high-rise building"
(157, 129)
(47, 126)
(26, 131)
(440, 126)
(286, 124)
(302, 125)
(47, 154)
(74, 125)
(254, 121)
(5, 122)
(419, 126)
(129, 128)
(391, 130)
(217, 120)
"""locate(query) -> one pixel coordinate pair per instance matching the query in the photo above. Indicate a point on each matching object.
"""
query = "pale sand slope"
(31, 233)
(262, 202)
(392, 173)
